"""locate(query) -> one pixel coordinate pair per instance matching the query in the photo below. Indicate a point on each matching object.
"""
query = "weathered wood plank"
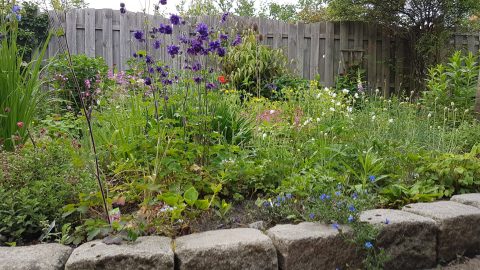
(107, 33)
(372, 57)
(292, 45)
(71, 30)
(329, 53)
(124, 41)
(300, 48)
(314, 49)
(90, 32)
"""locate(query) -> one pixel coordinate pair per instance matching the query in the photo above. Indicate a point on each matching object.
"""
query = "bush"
(89, 71)
(453, 83)
(32, 29)
(34, 186)
(253, 67)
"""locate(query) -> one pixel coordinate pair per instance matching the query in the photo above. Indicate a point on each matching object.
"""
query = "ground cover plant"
(209, 145)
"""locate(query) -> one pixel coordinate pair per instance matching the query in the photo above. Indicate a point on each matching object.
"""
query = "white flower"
(349, 109)
(356, 95)
(332, 109)
(334, 95)
(338, 103)
(373, 117)
(453, 104)
(390, 120)
(318, 95)
(345, 91)
(318, 119)
(272, 111)
(264, 136)
(377, 90)
(429, 115)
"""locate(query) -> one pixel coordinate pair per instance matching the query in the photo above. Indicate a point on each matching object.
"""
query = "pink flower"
(87, 84)
(20, 124)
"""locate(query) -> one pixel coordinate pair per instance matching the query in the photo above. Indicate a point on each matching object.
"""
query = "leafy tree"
(32, 29)
(245, 8)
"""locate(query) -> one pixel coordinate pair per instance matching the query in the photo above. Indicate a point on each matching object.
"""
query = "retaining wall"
(417, 237)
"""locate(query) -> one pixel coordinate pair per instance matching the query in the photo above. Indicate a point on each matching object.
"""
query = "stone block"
(458, 224)
(410, 240)
(472, 199)
(242, 249)
(151, 252)
(313, 246)
(37, 257)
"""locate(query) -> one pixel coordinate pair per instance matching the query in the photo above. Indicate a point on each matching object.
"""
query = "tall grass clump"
(20, 83)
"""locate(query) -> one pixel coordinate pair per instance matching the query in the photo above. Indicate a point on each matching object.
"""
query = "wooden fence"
(323, 49)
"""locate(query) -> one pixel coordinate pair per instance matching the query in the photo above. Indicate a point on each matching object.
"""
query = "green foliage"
(251, 66)
(91, 69)
(35, 183)
(32, 30)
(20, 93)
(453, 83)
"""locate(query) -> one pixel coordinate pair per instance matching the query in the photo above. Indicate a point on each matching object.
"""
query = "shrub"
(32, 29)
(34, 186)
(89, 71)
(252, 67)
(453, 83)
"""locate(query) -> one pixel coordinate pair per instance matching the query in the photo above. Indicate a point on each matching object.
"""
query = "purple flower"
(173, 50)
(151, 70)
(148, 81)
(210, 86)
(123, 10)
(175, 19)
(372, 178)
(197, 80)
(350, 218)
(156, 44)
(288, 195)
(138, 35)
(135, 55)
(224, 17)
(159, 69)
(122, 4)
(237, 40)
(167, 82)
(183, 39)
(323, 197)
(338, 193)
(355, 196)
(164, 74)
(195, 47)
(196, 66)
(165, 29)
(311, 216)
(351, 208)
(16, 9)
(202, 29)
(148, 59)
(221, 52)
(223, 36)
(387, 221)
(163, 2)
(368, 245)
(214, 45)
(336, 226)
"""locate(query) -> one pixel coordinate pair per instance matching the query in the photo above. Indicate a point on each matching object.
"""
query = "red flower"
(20, 124)
(222, 79)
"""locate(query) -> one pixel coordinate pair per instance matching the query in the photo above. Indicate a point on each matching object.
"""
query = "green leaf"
(202, 204)
(191, 196)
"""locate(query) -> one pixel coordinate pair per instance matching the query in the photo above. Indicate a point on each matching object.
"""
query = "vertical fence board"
(107, 32)
(292, 45)
(314, 49)
(329, 51)
(71, 30)
(124, 42)
(300, 48)
(372, 59)
(90, 32)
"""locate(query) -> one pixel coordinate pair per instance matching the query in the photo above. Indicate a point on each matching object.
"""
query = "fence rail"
(323, 49)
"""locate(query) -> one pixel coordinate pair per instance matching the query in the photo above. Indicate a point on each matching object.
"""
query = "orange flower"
(222, 79)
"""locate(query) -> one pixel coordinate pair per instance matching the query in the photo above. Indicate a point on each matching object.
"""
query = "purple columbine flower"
(351, 208)
(336, 226)
(138, 35)
(159, 69)
(173, 50)
(156, 44)
(237, 41)
(164, 74)
(148, 81)
(311, 216)
(151, 70)
(175, 19)
(223, 36)
(210, 86)
(202, 29)
(221, 52)
(372, 178)
(224, 17)
(196, 47)
(214, 45)
(197, 80)
(123, 10)
(196, 66)
(368, 245)
(135, 55)
(167, 82)
(165, 29)
(163, 2)
(148, 59)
